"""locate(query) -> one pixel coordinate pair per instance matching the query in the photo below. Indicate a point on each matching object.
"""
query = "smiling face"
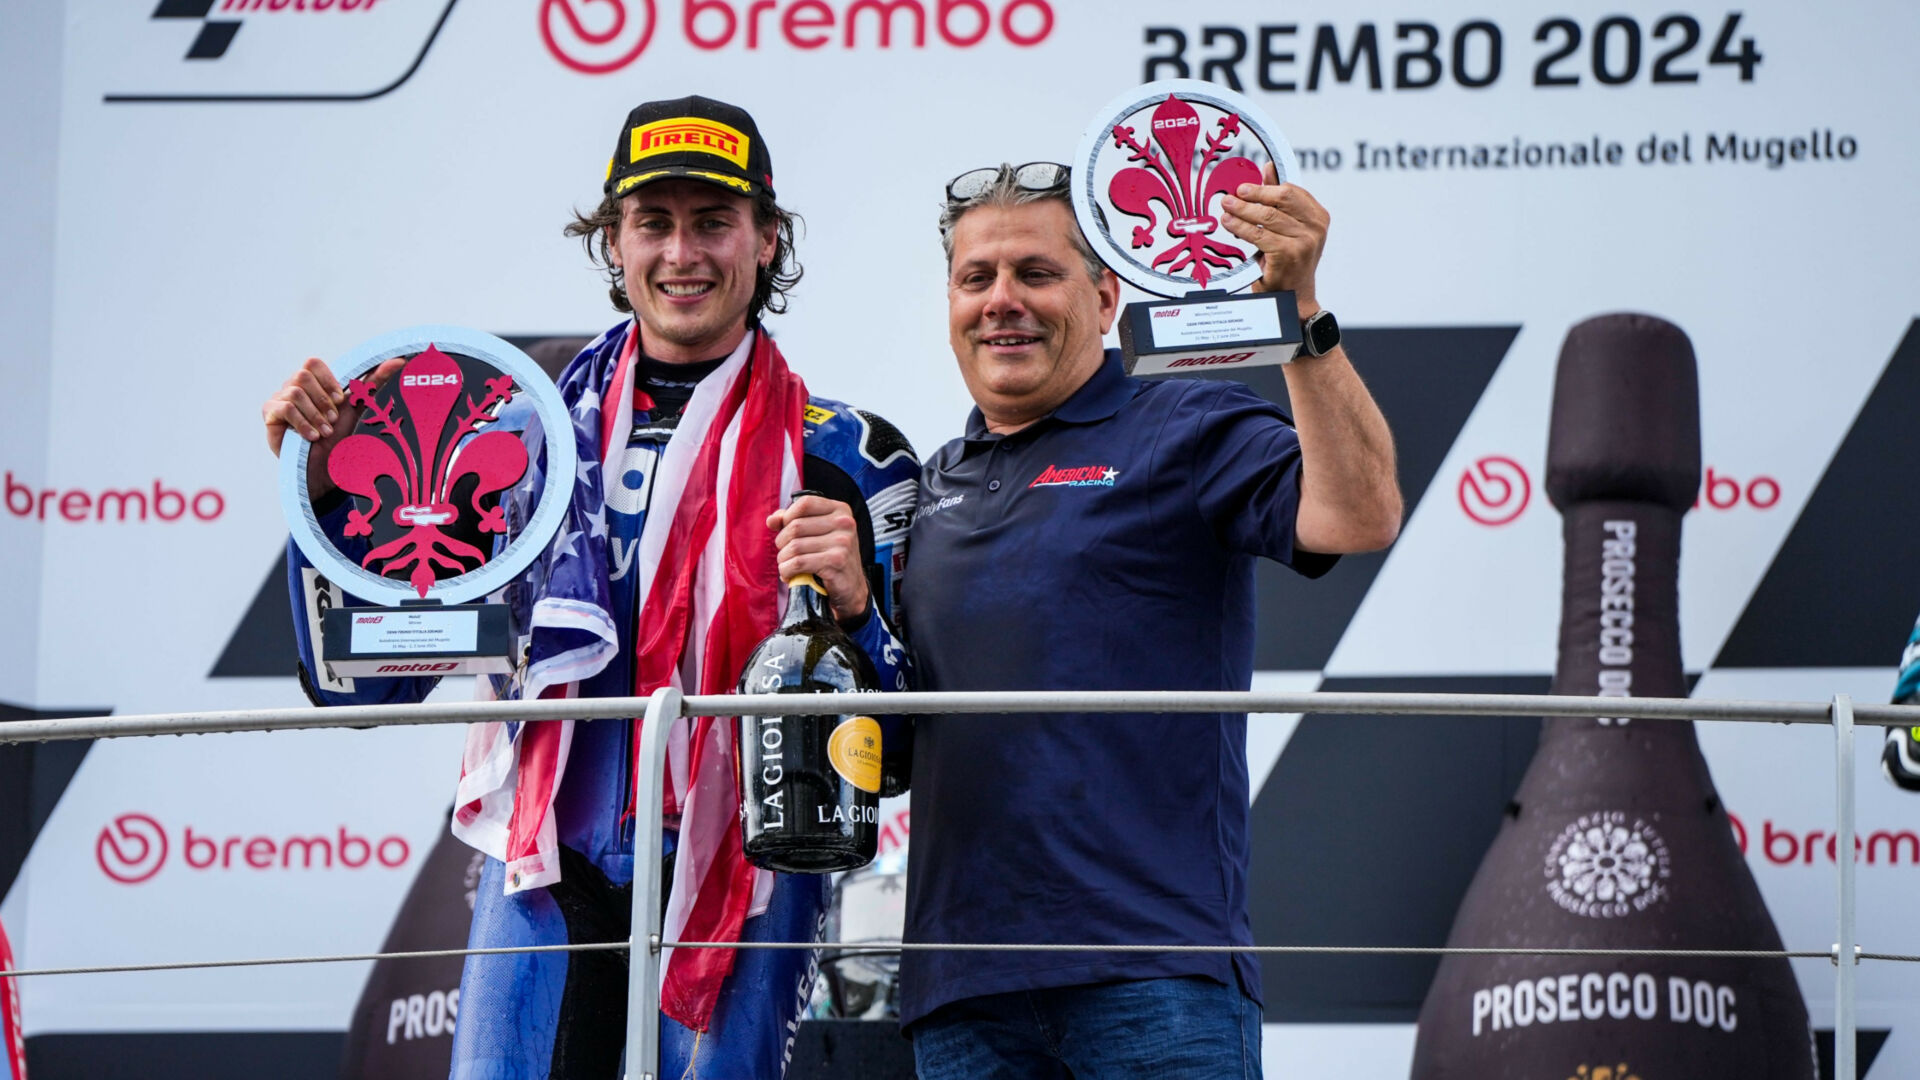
(689, 252)
(1024, 315)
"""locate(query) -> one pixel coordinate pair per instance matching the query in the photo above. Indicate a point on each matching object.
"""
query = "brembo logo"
(1783, 845)
(596, 37)
(1495, 490)
(111, 504)
(131, 849)
(134, 847)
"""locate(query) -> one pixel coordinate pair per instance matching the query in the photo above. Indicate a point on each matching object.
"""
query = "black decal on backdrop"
(263, 643)
(403, 1024)
(1847, 568)
(201, 1055)
(33, 776)
(1388, 817)
(1866, 1046)
(1427, 381)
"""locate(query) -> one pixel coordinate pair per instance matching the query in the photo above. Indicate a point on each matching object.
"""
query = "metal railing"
(647, 946)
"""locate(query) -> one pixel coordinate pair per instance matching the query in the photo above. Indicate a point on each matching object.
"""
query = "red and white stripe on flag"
(13, 1041)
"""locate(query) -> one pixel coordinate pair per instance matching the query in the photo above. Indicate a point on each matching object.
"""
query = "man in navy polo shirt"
(1092, 531)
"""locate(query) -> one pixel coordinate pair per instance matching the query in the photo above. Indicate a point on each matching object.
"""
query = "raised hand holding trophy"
(428, 470)
(1183, 144)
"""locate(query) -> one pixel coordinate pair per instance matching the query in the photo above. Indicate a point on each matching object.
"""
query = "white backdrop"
(171, 260)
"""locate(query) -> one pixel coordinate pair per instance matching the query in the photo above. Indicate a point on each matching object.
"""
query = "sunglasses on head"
(1033, 176)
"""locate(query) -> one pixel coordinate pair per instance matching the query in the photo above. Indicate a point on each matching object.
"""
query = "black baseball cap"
(692, 137)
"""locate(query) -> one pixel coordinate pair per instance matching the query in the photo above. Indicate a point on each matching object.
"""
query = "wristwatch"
(1320, 334)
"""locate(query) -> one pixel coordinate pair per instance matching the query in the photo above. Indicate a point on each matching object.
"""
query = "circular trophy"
(428, 470)
(1147, 183)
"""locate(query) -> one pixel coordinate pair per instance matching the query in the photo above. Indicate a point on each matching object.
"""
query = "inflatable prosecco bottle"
(1616, 837)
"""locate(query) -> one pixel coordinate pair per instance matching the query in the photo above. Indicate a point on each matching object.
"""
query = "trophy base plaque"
(1206, 330)
(416, 639)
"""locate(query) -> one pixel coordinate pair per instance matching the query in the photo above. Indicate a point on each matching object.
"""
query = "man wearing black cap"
(691, 432)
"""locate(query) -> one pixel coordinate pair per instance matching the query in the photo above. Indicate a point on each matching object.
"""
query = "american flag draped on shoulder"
(711, 590)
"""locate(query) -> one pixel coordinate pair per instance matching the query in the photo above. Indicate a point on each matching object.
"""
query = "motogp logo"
(595, 37)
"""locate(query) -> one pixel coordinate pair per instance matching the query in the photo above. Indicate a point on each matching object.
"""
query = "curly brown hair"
(771, 282)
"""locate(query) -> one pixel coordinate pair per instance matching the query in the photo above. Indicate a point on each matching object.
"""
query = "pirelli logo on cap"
(689, 133)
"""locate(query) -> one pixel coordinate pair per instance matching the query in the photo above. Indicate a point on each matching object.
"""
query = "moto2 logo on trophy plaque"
(1148, 181)
(426, 476)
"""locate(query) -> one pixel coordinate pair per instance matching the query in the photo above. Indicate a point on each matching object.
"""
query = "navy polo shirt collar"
(1099, 398)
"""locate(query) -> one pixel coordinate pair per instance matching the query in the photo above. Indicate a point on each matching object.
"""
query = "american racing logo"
(1209, 361)
(295, 50)
(1088, 476)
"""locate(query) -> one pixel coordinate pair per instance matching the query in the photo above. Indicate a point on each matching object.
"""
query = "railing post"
(1845, 961)
(643, 966)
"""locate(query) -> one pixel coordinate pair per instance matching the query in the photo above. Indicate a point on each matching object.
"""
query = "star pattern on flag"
(588, 405)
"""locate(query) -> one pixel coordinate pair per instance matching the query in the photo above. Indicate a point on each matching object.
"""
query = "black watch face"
(1322, 333)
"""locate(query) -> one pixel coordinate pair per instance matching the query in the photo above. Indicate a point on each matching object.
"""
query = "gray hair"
(1006, 192)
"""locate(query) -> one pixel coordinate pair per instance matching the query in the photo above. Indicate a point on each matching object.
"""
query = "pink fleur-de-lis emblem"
(1168, 175)
(426, 467)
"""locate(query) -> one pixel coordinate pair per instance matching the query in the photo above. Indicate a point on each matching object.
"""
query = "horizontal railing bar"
(872, 948)
(270, 961)
(883, 947)
(1160, 701)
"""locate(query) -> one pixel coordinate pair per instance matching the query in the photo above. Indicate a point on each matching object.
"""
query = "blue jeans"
(1188, 1027)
